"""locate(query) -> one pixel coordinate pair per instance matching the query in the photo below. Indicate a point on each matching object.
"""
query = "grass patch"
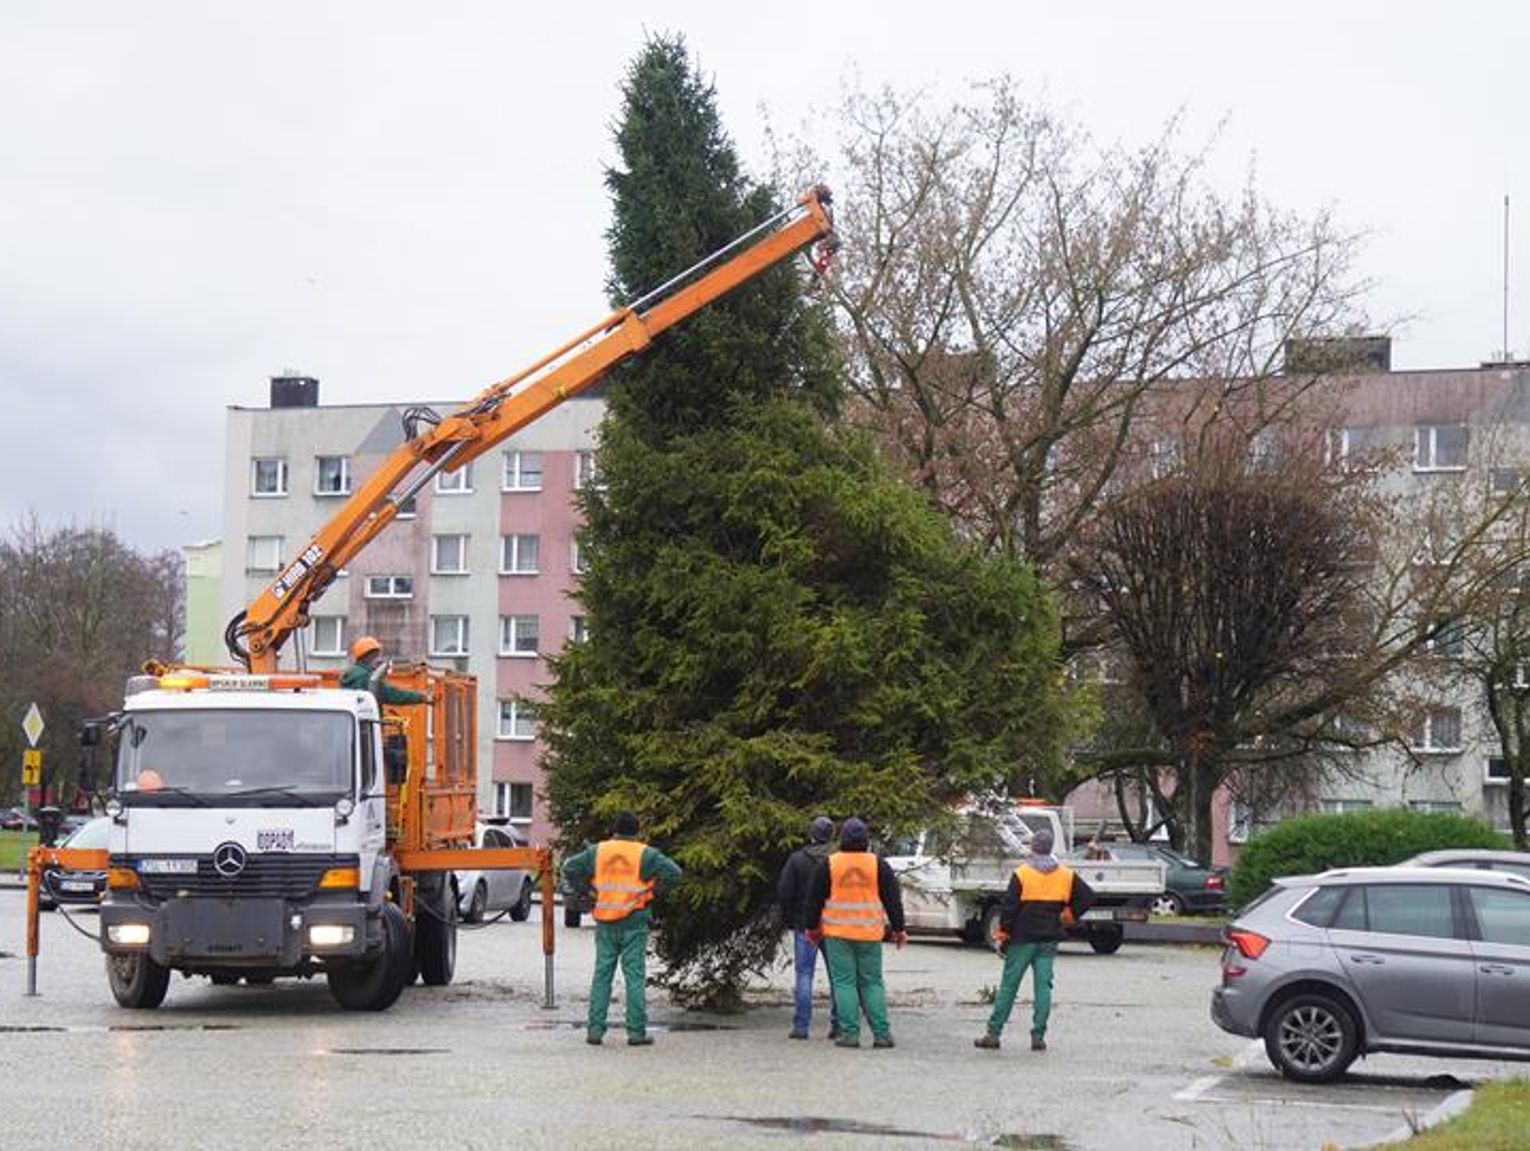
(14, 846)
(1498, 1120)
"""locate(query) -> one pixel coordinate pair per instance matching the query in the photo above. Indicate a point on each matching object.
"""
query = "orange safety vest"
(1054, 887)
(854, 907)
(619, 888)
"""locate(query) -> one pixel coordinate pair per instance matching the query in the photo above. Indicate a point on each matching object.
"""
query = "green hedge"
(1314, 843)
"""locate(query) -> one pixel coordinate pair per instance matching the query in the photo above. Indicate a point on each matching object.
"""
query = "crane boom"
(256, 635)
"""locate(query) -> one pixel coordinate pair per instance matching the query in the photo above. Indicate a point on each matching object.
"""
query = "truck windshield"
(235, 757)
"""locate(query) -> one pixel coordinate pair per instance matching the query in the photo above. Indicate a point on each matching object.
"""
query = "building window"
(1446, 805)
(268, 477)
(449, 635)
(1164, 457)
(390, 587)
(448, 555)
(406, 509)
(585, 474)
(513, 800)
(1440, 447)
(1447, 641)
(519, 555)
(1263, 451)
(457, 483)
(332, 476)
(1344, 806)
(1504, 481)
(578, 628)
(1495, 773)
(578, 561)
(326, 635)
(517, 719)
(518, 635)
(263, 554)
(1441, 731)
(523, 472)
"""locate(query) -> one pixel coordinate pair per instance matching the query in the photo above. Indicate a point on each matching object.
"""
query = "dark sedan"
(59, 886)
(1189, 887)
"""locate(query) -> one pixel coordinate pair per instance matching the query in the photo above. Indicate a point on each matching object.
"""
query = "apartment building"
(475, 575)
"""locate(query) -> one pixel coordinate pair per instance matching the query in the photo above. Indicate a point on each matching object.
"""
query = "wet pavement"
(1134, 1062)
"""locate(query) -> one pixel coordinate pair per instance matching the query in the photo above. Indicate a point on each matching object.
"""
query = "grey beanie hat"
(822, 830)
(853, 831)
(1041, 843)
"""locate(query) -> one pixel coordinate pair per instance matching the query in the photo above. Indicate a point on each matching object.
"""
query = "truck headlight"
(330, 934)
(128, 934)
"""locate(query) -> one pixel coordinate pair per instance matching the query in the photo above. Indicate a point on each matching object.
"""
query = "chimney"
(290, 390)
(1339, 355)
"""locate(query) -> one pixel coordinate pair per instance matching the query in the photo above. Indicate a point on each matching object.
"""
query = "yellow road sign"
(31, 767)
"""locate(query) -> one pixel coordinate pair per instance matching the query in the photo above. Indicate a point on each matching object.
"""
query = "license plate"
(1100, 913)
(76, 885)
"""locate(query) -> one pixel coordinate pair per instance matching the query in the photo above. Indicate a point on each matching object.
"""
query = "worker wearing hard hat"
(366, 673)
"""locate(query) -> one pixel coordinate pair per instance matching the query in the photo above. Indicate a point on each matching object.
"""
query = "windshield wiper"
(305, 798)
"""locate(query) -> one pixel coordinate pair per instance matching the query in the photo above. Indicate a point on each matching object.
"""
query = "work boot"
(593, 1038)
(643, 1040)
(834, 1033)
(1038, 1043)
(796, 1033)
(883, 1041)
(846, 1041)
(989, 1042)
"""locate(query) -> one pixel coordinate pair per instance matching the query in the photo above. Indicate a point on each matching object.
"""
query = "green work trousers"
(855, 977)
(624, 941)
(1017, 957)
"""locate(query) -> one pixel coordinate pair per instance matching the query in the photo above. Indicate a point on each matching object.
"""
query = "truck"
(954, 874)
(268, 823)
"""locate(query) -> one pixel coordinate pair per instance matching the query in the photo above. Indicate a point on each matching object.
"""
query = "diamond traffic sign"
(32, 725)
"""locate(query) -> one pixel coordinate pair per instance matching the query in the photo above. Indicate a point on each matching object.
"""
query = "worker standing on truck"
(1041, 895)
(627, 874)
(363, 675)
(791, 893)
(852, 901)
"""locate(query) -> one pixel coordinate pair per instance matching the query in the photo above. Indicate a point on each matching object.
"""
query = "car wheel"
(375, 985)
(137, 981)
(1168, 904)
(1107, 940)
(1311, 1037)
(520, 910)
(479, 903)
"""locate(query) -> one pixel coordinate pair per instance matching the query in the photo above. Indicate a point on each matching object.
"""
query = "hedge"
(1313, 843)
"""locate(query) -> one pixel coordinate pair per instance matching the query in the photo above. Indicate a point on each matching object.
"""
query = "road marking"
(1201, 1086)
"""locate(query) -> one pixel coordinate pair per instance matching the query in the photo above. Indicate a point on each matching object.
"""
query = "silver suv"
(1432, 961)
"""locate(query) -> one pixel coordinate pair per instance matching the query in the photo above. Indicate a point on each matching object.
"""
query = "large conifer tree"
(777, 627)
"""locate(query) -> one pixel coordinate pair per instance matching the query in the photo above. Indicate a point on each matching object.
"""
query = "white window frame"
(511, 636)
(516, 720)
(398, 587)
(578, 628)
(1426, 741)
(512, 554)
(436, 565)
(345, 477)
(280, 491)
(519, 475)
(1165, 456)
(321, 644)
(586, 471)
(457, 483)
(1240, 821)
(1505, 481)
(1426, 448)
(1495, 771)
(1345, 806)
(263, 553)
(1449, 643)
(578, 560)
(504, 801)
(407, 509)
(1447, 806)
(457, 626)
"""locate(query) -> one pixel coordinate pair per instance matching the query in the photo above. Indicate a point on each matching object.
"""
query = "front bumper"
(201, 932)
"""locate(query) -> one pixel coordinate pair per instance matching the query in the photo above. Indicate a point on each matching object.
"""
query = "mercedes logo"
(228, 859)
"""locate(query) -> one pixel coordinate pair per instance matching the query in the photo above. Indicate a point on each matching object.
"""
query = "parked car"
(480, 893)
(1189, 887)
(59, 886)
(17, 819)
(1514, 862)
(1426, 961)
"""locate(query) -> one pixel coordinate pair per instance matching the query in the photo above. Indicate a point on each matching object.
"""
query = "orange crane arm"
(255, 636)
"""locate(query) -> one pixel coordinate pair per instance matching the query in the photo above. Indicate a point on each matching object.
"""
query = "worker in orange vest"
(853, 900)
(627, 874)
(1043, 894)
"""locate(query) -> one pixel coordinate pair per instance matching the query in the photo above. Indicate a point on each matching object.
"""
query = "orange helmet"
(363, 646)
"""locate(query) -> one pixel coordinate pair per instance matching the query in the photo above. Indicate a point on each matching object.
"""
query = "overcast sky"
(406, 200)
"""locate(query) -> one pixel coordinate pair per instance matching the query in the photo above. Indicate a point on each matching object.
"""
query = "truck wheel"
(990, 935)
(435, 940)
(137, 981)
(374, 985)
(520, 910)
(1107, 940)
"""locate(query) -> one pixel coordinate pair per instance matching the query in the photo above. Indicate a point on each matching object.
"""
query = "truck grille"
(268, 875)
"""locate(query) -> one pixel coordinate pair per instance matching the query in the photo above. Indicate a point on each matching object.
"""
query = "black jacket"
(791, 888)
(1038, 921)
(888, 890)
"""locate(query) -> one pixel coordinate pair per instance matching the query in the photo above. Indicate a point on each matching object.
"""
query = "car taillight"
(1250, 944)
(1214, 881)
